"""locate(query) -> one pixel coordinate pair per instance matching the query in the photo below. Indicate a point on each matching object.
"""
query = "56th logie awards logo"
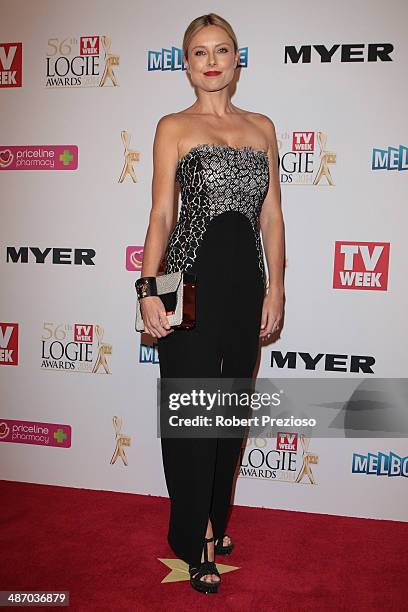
(75, 348)
(286, 458)
(305, 159)
(84, 62)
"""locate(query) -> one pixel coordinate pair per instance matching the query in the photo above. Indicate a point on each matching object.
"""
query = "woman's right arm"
(165, 157)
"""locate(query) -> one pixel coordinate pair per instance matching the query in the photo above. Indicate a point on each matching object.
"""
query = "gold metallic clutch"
(177, 291)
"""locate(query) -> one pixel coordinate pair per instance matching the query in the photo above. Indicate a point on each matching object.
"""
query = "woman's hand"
(272, 312)
(154, 317)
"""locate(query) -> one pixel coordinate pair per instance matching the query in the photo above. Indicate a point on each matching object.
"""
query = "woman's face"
(211, 58)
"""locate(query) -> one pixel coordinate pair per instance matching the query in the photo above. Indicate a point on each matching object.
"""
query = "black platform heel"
(206, 567)
(220, 549)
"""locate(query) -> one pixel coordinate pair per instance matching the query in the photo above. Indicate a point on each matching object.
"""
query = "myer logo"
(328, 362)
(373, 52)
(52, 255)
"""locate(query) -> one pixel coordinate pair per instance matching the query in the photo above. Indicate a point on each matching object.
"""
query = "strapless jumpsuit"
(217, 237)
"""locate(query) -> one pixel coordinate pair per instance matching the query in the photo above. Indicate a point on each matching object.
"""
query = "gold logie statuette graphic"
(130, 156)
(308, 460)
(110, 61)
(103, 349)
(121, 442)
(326, 158)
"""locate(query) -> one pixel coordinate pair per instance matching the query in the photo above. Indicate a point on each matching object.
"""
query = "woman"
(225, 160)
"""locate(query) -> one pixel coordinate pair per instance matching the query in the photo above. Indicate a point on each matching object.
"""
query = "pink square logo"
(134, 258)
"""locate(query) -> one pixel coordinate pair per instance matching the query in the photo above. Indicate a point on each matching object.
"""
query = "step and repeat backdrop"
(82, 87)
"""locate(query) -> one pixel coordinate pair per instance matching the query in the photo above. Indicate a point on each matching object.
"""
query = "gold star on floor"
(179, 570)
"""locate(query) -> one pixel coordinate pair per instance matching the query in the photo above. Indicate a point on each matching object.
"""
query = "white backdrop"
(358, 106)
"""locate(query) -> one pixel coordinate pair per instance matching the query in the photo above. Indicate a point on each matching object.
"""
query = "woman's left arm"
(273, 238)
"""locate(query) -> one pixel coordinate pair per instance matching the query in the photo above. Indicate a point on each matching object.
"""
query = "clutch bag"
(177, 292)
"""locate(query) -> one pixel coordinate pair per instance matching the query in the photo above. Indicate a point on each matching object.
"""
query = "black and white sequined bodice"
(215, 179)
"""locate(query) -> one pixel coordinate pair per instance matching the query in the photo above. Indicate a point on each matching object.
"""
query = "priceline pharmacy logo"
(380, 464)
(38, 157)
(33, 432)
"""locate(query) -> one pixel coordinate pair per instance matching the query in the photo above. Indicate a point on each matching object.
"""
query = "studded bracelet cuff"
(145, 286)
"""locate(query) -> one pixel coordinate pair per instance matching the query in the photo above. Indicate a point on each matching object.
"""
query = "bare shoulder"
(265, 123)
(175, 129)
(262, 124)
(165, 146)
(168, 125)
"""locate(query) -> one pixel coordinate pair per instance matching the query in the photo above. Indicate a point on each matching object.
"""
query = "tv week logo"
(361, 265)
(11, 64)
(83, 333)
(89, 45)
(303, 141)
(287, 441)
(9, 344)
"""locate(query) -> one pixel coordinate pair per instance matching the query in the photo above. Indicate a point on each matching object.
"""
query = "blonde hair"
(201, 22)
